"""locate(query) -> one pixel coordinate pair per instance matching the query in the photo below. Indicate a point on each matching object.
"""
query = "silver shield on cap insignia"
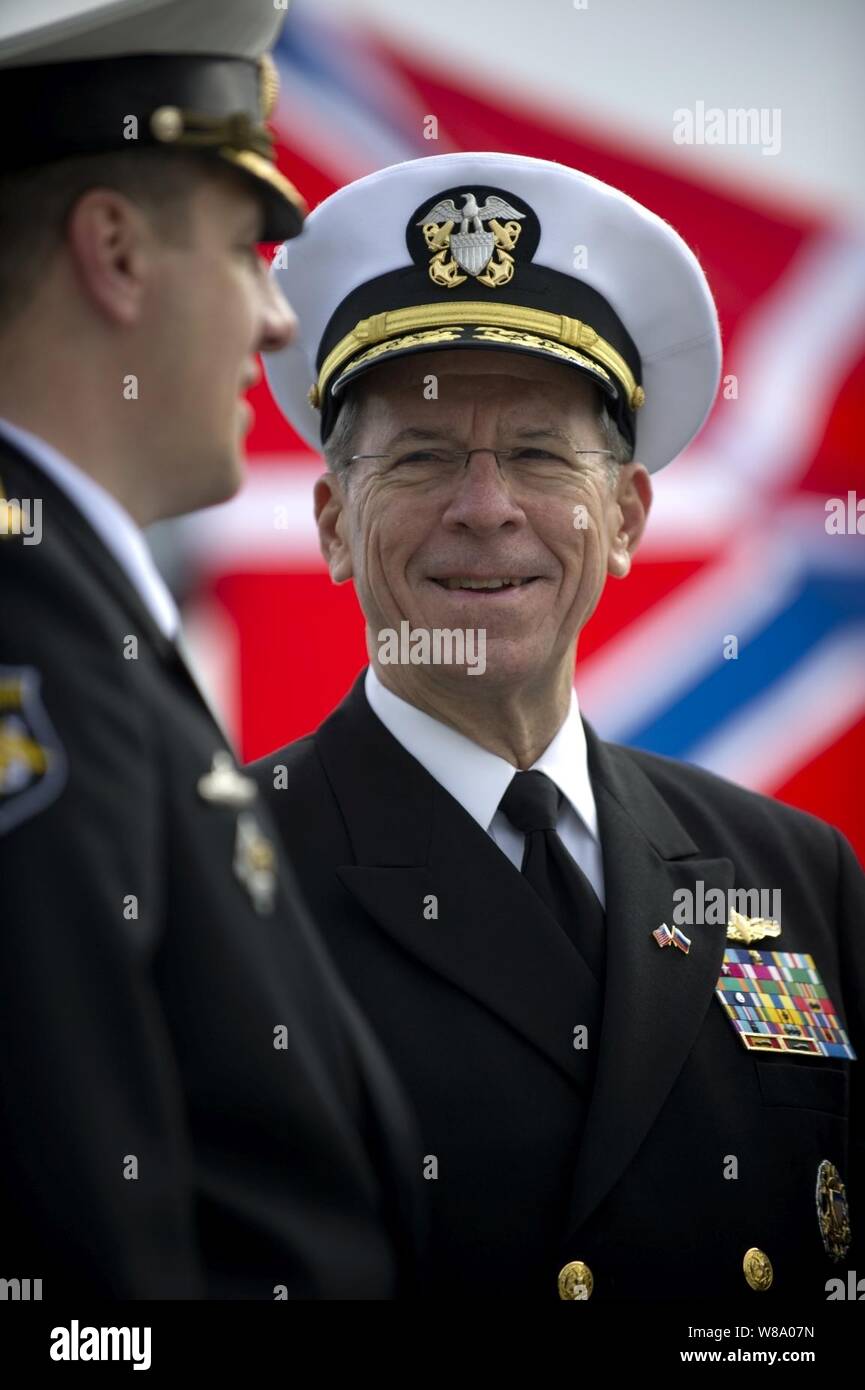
(471, 247)
(472, 250)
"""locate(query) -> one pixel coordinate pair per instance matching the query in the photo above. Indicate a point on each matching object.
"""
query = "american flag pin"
(663, 935)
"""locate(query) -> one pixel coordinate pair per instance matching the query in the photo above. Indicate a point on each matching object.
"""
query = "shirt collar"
(111, 522)
(475, 777)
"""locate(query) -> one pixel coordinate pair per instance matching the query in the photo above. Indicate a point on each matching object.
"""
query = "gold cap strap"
(390, 324)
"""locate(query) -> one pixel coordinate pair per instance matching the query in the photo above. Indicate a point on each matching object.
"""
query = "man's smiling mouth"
(506, 582)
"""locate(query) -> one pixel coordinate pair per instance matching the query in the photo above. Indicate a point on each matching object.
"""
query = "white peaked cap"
(548, 261)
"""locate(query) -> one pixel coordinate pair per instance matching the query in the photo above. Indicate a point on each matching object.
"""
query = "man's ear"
(110, 243)
(632, 503)
(331, 519)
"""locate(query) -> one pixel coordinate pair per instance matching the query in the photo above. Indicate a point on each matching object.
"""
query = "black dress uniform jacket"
(478, 1007)
(264, 1161)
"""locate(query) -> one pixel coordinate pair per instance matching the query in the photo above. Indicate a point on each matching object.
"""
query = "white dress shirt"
(111, 522)
(478, 779)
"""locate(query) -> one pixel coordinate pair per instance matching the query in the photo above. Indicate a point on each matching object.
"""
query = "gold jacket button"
(575, 1280)
(758, 1269)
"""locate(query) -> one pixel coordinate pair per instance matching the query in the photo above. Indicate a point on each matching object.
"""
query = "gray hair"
(622, 450)
(341, 441)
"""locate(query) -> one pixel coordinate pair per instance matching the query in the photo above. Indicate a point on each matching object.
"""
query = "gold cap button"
(758, 1269)
(166, 123)
(575, 1280)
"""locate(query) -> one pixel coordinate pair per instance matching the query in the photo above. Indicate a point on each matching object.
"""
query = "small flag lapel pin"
(681, 940)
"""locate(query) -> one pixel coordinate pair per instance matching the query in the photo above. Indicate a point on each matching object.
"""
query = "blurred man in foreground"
(191, 1105)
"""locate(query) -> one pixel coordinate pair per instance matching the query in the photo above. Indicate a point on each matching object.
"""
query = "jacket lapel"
(656, 999)
(412, 841)
(494, 941)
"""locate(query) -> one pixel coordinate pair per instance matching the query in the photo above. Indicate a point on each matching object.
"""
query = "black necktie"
(531, 804)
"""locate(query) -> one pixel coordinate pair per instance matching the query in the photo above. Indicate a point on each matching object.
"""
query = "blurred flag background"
(740, 544)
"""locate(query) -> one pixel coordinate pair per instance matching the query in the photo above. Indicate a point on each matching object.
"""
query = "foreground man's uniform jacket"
(690, 1166)
(190, 1104)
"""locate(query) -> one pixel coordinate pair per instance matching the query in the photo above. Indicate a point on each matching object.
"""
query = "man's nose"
(482, 500)
(279, 321)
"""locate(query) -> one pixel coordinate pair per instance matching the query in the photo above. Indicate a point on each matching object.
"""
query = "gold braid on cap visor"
(571, 333)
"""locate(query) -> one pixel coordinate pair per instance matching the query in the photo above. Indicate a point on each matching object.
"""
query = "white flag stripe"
(793, 354)
(746, 748)
(663, 653)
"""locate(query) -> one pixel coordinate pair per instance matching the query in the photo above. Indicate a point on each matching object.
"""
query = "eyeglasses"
(523, 462)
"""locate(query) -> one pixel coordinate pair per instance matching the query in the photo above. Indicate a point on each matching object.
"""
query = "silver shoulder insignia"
(224, 785)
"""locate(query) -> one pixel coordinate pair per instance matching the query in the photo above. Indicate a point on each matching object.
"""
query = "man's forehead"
(225, 208)
(396, 400)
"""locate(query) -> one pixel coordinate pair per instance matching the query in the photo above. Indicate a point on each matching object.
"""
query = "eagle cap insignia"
(471, 233)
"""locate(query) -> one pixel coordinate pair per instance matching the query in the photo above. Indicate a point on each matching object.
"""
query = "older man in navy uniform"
(191, 1104)
(632, 1083)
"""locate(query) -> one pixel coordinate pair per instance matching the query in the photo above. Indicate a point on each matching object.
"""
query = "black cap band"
(537, 288)
(211, 105)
